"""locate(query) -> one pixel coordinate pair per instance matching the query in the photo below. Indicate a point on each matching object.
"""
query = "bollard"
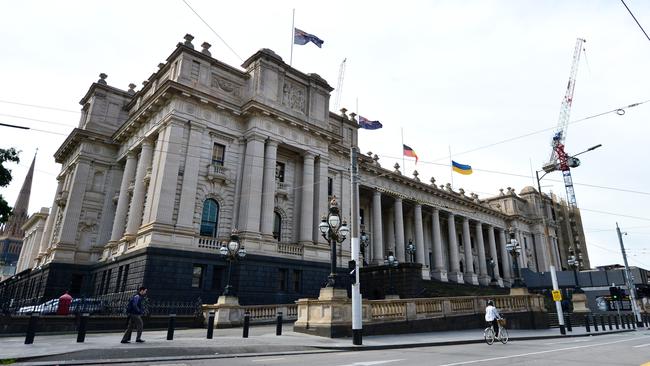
(647, 322)
(626, 320)
(247, 323)
(210, 324)
(170, 327)
(595, 323)
(602, 322)
(81, 331)
(633, 321)
(616, 322)
(278, 326)
(31, 328)
(587, 324)
(609, 321)
(568, 323)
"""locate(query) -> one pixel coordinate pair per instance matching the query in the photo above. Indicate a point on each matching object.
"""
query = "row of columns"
(439, 269)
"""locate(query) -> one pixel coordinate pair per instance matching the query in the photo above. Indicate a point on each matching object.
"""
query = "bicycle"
(489, 336)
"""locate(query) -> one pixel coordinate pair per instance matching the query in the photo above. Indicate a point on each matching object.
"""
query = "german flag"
(410, 152)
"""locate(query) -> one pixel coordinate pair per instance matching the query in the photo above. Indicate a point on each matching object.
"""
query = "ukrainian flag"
(461, 168)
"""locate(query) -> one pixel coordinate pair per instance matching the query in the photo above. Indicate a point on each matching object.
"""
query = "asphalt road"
(617, 349)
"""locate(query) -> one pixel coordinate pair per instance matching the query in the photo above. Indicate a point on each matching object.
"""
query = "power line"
(213, 31)
(36, 120)
(615, 214)
(637, 22)
(39, 106)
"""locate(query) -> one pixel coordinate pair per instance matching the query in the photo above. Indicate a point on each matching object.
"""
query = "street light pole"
(391, 261)
(333, 231)
(514, 248)
(629, 281)
(232, 251)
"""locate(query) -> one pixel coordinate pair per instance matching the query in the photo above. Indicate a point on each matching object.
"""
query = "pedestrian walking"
(63, 307)
(135, 310)
(492, 316)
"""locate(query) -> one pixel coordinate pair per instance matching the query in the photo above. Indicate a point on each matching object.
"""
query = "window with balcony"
(279, 172)
(218, 154)
(209, 218)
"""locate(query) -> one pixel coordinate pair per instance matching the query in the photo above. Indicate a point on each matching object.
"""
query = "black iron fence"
(110, 304)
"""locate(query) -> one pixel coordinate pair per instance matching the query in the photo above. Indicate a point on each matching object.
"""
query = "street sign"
(557, 295)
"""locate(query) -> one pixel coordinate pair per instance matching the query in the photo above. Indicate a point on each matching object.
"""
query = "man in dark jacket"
(135, 310)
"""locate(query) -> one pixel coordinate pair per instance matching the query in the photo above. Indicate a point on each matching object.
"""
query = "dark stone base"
(526, 320)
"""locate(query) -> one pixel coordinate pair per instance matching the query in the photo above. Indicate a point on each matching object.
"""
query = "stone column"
(506, 260)
(484, 278)
(137, 200)
(377, 233)
(420, 254)
(250, 202)
(268, 186)
(122, 209)
(399, 231)
(454, 255)
(70, 224)
(46, 239)
(389, 241)
(542, 254)
(321, 201)
(187, 205)
(493, 255)
(523, 256)
(439, 270)
(469, 276)
(307, 201)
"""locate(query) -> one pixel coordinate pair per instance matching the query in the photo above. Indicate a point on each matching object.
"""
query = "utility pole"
(357, 327)
(629, 281)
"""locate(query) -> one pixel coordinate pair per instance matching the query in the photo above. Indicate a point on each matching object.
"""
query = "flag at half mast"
(461, 168)
(410, 152)
(302, 38)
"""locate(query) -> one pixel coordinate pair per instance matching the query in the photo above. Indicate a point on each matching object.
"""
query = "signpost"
(557, 295)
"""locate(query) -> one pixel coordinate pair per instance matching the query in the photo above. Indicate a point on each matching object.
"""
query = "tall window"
(277, 227)
(218, 154)
(297, 280)
(209, 218)
(282, 279)
(330, 186)
(279, 172)
(197, 276)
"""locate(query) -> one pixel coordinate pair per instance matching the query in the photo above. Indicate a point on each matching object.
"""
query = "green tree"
(5, 178)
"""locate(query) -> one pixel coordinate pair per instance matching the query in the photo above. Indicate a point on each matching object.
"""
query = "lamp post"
(515, 249)
(491, 265)
(364, 241)
(334, 232)
(391, 261)
(410, 249)
(232, 251)
(574, 263)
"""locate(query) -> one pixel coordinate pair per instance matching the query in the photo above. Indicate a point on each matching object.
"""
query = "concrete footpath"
(193, 344)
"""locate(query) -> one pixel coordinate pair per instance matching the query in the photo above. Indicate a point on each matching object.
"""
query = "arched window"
(277, 227)
(210, 218)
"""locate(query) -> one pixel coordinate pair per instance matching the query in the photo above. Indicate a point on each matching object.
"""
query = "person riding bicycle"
(492, 316)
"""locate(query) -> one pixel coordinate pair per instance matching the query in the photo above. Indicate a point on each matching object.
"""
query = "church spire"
(20, 214)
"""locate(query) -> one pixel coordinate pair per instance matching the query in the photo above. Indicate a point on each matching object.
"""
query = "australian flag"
(302, 38)
(369, 125)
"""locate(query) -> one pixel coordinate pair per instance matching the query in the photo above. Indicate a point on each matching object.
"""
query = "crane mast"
(339, 86)
(560, 160)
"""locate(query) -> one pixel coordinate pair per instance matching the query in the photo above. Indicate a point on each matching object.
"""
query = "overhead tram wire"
(39, 106)
(37, 120)
(637, 22)
(213, 31)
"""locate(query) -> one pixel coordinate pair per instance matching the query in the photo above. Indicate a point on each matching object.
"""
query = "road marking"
(540, 352)
(642, 345)
(370, 363)
(268, 359)
(565, 342)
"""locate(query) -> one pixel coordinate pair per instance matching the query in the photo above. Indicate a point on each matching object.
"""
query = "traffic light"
(352, 271)
(615, 293)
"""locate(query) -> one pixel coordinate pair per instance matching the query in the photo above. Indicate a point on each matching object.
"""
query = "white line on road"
(267, 359)
(642, 345)
(371, 363)
(539, 352)
(565, 342)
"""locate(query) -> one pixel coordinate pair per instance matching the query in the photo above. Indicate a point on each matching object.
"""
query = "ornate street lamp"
(232, 251)
(574, 263)
(515, 249)
(334, 232)
(491, 264)
(391, 261)
(364, 241)
(410, 250)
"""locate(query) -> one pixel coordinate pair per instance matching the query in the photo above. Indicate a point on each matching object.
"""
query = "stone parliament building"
(153, 181)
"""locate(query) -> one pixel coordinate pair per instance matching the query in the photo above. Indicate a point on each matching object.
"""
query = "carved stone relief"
(293, 96)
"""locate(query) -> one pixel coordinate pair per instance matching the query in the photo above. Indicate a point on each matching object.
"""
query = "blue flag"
(302, 38)
(369, 125)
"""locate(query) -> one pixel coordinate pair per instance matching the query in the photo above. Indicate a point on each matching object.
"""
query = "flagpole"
(451, 166)
(403, 160)
(293, 33)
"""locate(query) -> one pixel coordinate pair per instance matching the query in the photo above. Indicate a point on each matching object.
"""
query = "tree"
(5, 178)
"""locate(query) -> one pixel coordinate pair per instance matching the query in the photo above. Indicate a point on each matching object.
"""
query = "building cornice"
(75, 137)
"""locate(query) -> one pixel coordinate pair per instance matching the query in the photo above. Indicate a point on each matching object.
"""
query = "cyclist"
(492, 316)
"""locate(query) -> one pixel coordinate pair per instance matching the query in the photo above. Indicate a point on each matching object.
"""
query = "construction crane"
(560, 160)
(339, 86)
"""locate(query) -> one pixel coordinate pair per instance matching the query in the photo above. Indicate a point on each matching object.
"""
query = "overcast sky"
(452, 74)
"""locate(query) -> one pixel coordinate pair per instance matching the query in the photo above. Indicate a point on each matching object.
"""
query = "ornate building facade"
(153, 182)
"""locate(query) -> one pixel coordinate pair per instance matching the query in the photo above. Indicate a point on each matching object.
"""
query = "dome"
(527, 190)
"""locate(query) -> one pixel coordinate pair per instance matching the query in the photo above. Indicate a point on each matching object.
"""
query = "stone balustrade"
(234, 313)
(290, 248)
